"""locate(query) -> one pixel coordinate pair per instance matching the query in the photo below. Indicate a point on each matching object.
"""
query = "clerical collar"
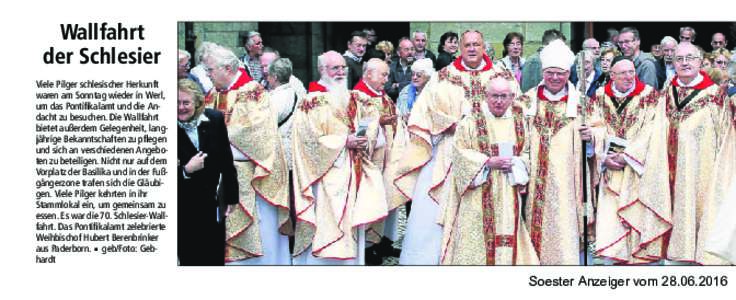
(556, 96)
(235, 80)
(478, 68)
(693, 83)
(364, 87)
(619, 94)
(352, 56)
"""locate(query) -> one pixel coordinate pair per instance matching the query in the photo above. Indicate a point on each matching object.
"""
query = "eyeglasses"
(338, 68)
(721, 62)
(682, 59)
(685, 38)
(629, 73)
(557, 74)
(210, 70)
(186, 65)
(502, 97)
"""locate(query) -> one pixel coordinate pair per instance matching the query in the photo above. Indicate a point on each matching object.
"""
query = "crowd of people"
(612, 155)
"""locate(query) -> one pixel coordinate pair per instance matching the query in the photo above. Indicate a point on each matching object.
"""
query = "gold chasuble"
(483, 224)
(634, 211)
(259, 161)
(554, 209)
(722, 238)
(433, 118)
(373, 106)
(696, 128)
(336, 189)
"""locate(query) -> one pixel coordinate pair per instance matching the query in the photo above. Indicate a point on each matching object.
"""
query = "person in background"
(513, 50)
(419, 38)
(646, 69)
(388, 50)
(721, 59)
(532, 72)
(446, 50)
(183, 68)
(251, 58)
(718, 41)
(687, 34)
(607, 57)
(400, 69)
(269, 55)
(354, 56)
(199, 70)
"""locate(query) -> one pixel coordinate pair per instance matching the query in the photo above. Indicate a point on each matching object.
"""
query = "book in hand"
(616, 144)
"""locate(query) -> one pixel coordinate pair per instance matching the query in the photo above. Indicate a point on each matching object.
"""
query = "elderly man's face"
(687, 62)
(472, 49)
(628, 43)
(183, 67)
(266, 60)
(256, 47)
(419, 79)
(668, 51)
(335, 69)
(406, 50)
(185, 106)
(686, 36)
(499, 96)
(555, 79)
(420, 42)
(593, 47)
(377, 77)
(220, 75)
(623, 75)
(357, 45)
(718, 41)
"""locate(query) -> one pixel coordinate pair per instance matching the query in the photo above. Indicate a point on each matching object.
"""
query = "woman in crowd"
(387, 48)
(607, 56)
(721, 58)
(513, 49)
(446, 49)
(421, 72)
(204, 156)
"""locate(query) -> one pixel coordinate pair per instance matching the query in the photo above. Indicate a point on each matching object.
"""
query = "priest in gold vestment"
(554, 209)
(339, 191)
(482, 214)
(425, 161)
(697, 125)
(256, 232)
(634, 211)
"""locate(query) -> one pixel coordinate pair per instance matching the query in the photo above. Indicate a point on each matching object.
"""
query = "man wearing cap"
(697, 122)
(554, 209)
(634, 210)
(257, 230)
(425, 163)
(482, 215)
(339, 191)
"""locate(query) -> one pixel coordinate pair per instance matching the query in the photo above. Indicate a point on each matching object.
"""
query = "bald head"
(718, 41)
(375, 73)
(499, 95)
(593, 47)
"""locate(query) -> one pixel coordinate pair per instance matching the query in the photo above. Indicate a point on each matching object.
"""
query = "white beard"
(338, 90)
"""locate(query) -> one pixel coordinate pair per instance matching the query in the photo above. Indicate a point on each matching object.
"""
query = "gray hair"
(668, 39)
(271, 50)
(632, 30)
(414, 34)
(371, 65)
(322, 58)
(281, 68)
(184, 53)
(224, 57)
(251, 35)
(203, 49)
(688, 28)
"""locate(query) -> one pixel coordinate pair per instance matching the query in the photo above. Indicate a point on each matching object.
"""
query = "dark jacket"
(397, 75)
(431, 56)
(443, 60)
(355, 71)
(201, 238)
